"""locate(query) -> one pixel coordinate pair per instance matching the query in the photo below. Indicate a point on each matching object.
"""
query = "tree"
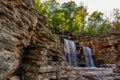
(67, 17)
(116, 14)
(95, 20)
(68, 10)
(116, 22)
(80, 19)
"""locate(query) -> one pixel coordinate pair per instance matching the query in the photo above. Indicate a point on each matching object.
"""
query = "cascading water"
(67, 51)
(73, 53)
(70, 52)
(88, 57)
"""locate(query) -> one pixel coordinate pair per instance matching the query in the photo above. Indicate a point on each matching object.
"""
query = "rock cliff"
(27, 48)
(105, 48)
(105, 51)
(29, 51)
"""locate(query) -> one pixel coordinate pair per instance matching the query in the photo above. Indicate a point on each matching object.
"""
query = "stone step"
(63, 77)
(50, 76)
(117, 78)
(47, 69)
(94, 69)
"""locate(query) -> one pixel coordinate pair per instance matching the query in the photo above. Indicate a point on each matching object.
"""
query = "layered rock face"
(42, 57)
(93, 74)
(17, 23)
(29, 51)
(105, 48)
(27, 48)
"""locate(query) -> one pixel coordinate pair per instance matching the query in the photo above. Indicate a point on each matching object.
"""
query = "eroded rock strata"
(105, 48)
(27, 47)
(29, 51)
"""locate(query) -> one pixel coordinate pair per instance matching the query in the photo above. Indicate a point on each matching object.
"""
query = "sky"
(105, 6)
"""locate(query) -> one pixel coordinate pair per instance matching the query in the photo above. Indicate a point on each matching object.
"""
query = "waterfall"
(88, 57)
(67, 51)
(70, 52)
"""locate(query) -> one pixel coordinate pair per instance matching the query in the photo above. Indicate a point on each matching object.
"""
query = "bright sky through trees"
(89, 17)
(105, 6)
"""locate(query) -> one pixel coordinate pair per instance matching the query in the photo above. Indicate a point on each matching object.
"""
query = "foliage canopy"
(69, 17)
